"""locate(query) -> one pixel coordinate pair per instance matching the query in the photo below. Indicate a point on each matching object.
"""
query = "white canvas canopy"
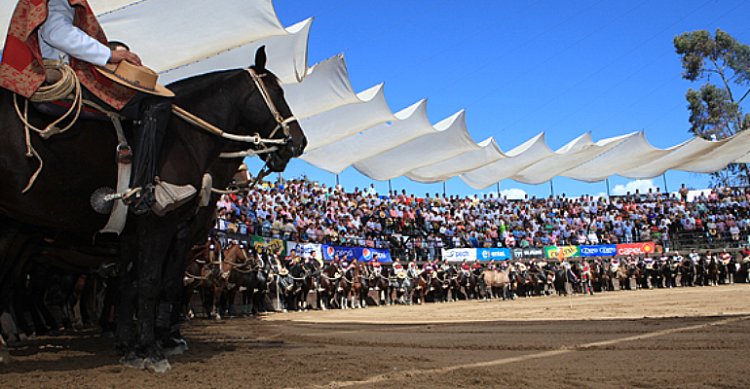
(346, 128)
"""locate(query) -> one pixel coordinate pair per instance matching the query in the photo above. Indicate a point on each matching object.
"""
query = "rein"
(256, 140)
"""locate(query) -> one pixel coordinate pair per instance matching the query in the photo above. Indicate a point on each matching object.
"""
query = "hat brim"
(159, 90)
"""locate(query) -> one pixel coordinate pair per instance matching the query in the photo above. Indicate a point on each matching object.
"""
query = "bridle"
(260, 145)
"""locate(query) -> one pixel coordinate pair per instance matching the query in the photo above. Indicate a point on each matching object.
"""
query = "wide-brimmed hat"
(135, 77)
(283, 272)
(401, 274)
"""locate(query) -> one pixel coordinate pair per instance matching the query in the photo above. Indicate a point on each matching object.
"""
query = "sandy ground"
(694, 337)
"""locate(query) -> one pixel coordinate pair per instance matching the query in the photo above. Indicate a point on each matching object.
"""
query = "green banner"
(273, 245)
(555, 252)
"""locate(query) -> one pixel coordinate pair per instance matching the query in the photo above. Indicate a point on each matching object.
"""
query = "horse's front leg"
(170, 312)
(153, 244)
(125, 332)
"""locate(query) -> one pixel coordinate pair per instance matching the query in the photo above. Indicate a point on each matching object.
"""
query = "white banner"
(305, 250)
(460, 255)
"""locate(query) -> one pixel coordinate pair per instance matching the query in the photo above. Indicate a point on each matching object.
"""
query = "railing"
(701, 239)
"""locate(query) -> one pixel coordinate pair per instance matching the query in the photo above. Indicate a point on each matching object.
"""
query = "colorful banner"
(626, 249)
(360, 253)
(603, 250)
(554, 252)
(305, 250)
(494, 254)
(260, 243)
(460, 255)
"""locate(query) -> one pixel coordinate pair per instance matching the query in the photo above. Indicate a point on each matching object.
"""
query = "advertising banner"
(494, 254)
(305, 250)
(260, 243)
(533, 252)
(635, 248)
(554, 252)
(460, 255)
(603, 250)
(362, 254)
(517, 253)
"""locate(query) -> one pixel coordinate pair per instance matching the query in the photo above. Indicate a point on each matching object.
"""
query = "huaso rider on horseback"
(67, 31)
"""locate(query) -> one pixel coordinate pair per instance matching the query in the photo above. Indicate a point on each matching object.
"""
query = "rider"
(412, 270)
(397, 266)
(586, 277)
(465, 267)
(376, 266)
(68, 30)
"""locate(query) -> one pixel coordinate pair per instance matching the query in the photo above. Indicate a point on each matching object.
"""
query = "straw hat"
(283, 272)
(401, 274)
(135, 77)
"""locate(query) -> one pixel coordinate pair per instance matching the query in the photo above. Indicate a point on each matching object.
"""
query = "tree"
(716, 108)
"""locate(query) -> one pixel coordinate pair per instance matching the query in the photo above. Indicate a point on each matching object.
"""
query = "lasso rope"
(68, 86)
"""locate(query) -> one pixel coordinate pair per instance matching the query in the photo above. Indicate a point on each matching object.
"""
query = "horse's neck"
(199, 97)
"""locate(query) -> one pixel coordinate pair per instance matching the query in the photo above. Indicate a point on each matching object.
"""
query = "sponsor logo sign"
(460, 255)
(306, 250)
(635, 248)
(361, 254)
(562, 251)
(494, 254)
(533, 252)
(603, 250)
(260, 243)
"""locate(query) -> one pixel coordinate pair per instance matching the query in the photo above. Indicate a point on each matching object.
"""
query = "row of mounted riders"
(52, 299)
(219, 275)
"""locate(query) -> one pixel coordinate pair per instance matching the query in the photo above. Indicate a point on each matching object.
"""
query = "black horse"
(152, 249)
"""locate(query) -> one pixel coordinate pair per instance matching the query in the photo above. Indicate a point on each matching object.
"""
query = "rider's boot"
(157, 196)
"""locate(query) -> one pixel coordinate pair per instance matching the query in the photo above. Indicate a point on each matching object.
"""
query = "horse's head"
(272, 114)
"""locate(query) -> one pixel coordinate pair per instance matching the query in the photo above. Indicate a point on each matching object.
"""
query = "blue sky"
(519, 68)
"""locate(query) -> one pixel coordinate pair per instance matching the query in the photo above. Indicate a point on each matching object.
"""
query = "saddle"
(56, 109)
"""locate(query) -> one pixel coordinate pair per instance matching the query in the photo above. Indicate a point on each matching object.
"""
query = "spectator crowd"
(419, 227)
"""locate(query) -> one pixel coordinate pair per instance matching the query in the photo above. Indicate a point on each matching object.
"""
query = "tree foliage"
(723, 64)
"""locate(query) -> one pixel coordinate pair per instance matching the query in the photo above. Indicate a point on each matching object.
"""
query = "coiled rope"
(69, 86)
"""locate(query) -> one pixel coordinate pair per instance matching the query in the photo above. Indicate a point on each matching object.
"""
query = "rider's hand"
(124, 55)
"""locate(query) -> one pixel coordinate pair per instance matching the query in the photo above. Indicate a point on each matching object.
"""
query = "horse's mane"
(202, 81)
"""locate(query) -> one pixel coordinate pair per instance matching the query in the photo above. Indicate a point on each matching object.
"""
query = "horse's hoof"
(284, 311)
(157, 366)
(133, 361)
(175, 346)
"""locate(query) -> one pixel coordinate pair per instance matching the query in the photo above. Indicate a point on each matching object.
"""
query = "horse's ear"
(260, 58)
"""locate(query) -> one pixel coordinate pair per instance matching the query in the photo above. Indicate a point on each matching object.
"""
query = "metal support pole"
(443, 188)
(551, 188)
(390, 188)
(337, 180)
(664, 178)
(498, 190)
(607, 181)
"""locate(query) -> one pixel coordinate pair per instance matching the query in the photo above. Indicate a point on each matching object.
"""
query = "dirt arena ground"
(682, 338)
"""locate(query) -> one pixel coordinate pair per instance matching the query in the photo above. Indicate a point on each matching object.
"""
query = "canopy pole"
(498, 190)
(551, 188)
(664, 178)
(337, 180)
(390, 188)
(607, 181)
(443, 188)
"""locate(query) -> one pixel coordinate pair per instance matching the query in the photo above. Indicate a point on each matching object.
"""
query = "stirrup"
(168, 197)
